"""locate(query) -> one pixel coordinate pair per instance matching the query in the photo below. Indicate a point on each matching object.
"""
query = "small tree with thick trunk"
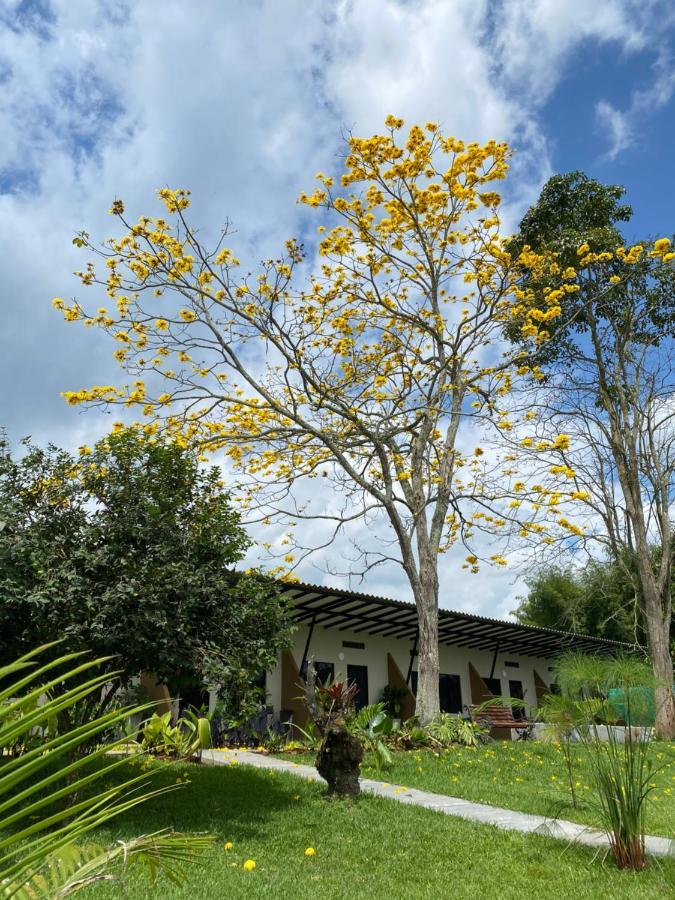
(372, 373)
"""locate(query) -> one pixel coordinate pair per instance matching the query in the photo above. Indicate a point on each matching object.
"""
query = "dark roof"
(352, 611)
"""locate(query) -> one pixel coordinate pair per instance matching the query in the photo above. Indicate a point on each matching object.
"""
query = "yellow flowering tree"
(370, 366)
(603, 417)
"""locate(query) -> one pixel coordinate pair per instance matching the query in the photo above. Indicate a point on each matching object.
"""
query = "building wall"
(326, 645)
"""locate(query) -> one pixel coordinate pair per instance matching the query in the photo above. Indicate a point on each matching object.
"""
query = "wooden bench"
(498, 716)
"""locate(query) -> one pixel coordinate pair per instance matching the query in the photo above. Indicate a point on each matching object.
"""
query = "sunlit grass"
(529, 776)
(373, 848)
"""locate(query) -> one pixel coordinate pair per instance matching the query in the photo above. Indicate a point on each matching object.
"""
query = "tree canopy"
(606, 384)
(596, 599)
(369, 365)
(130, 549)
(379, 360)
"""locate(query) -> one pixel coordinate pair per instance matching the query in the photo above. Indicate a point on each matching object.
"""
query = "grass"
(527, 776)
(373, 848)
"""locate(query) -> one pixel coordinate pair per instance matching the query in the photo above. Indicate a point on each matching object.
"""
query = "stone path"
(451, 806)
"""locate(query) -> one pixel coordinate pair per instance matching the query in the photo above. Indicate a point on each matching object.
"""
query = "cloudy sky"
(242, 101)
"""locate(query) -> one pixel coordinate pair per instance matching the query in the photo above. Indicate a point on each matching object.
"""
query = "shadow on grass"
(221, 800)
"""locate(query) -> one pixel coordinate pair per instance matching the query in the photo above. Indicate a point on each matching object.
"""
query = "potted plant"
(393, 696)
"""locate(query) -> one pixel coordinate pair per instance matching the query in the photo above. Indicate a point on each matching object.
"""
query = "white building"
(372, 640)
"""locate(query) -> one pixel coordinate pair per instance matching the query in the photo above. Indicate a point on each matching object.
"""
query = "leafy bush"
(188, 737)
(443, 731)
(372, 726)
(447, 729)
(392, 697)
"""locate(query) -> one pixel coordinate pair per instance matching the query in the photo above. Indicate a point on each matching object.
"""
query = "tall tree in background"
(596, 599)
(372, 373)
(131, 550)
(609, 388)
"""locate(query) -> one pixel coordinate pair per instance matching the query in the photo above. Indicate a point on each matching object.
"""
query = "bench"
(498, 716)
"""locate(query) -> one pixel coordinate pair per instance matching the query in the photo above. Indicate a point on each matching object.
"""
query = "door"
(516, 691)
(359, 675)
(450, 691)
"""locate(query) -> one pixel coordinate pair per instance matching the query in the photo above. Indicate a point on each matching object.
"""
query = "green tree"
(607, 388)
(130, 550)
(596, 599)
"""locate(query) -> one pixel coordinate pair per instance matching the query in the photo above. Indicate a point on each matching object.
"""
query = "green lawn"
(374, 848)
(529, 776)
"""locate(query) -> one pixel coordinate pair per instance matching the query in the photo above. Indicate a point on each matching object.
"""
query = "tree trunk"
(427, 704)
(662, 663)
(339, 762)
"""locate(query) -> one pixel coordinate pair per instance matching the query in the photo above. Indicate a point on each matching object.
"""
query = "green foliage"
(187, 738)
(130, 550)
(622, 769)
(39, 829)
(572, 210)
(597, 599)
(307, 737)
(447, 729)
(372, 726)
(393, 696)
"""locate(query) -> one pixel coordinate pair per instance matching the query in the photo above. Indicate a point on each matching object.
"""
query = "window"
(449, 689)
(493, 685)
(354, 645)
(325, 672)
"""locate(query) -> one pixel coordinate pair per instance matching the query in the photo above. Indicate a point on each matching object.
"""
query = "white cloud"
(616, 126)
(623, 125)
(534, 39)
(241, 103)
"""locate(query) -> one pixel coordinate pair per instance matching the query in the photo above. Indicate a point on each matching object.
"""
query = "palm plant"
(621, 768)
(564, 717)
(40, 831)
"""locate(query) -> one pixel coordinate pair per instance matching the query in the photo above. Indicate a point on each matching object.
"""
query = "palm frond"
(35, 818)
(74, 867)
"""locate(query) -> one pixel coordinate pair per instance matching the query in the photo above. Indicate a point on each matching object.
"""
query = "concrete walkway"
(451, 806)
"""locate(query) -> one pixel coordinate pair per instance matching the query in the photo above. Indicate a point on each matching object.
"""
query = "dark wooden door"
(359, 675)
(516, 691)
(450, 691)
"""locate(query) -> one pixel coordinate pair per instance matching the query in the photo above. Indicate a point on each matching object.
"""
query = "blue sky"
(581, 137)
(246, 100)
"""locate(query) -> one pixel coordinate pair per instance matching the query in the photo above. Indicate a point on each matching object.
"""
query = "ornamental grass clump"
(622, 772)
